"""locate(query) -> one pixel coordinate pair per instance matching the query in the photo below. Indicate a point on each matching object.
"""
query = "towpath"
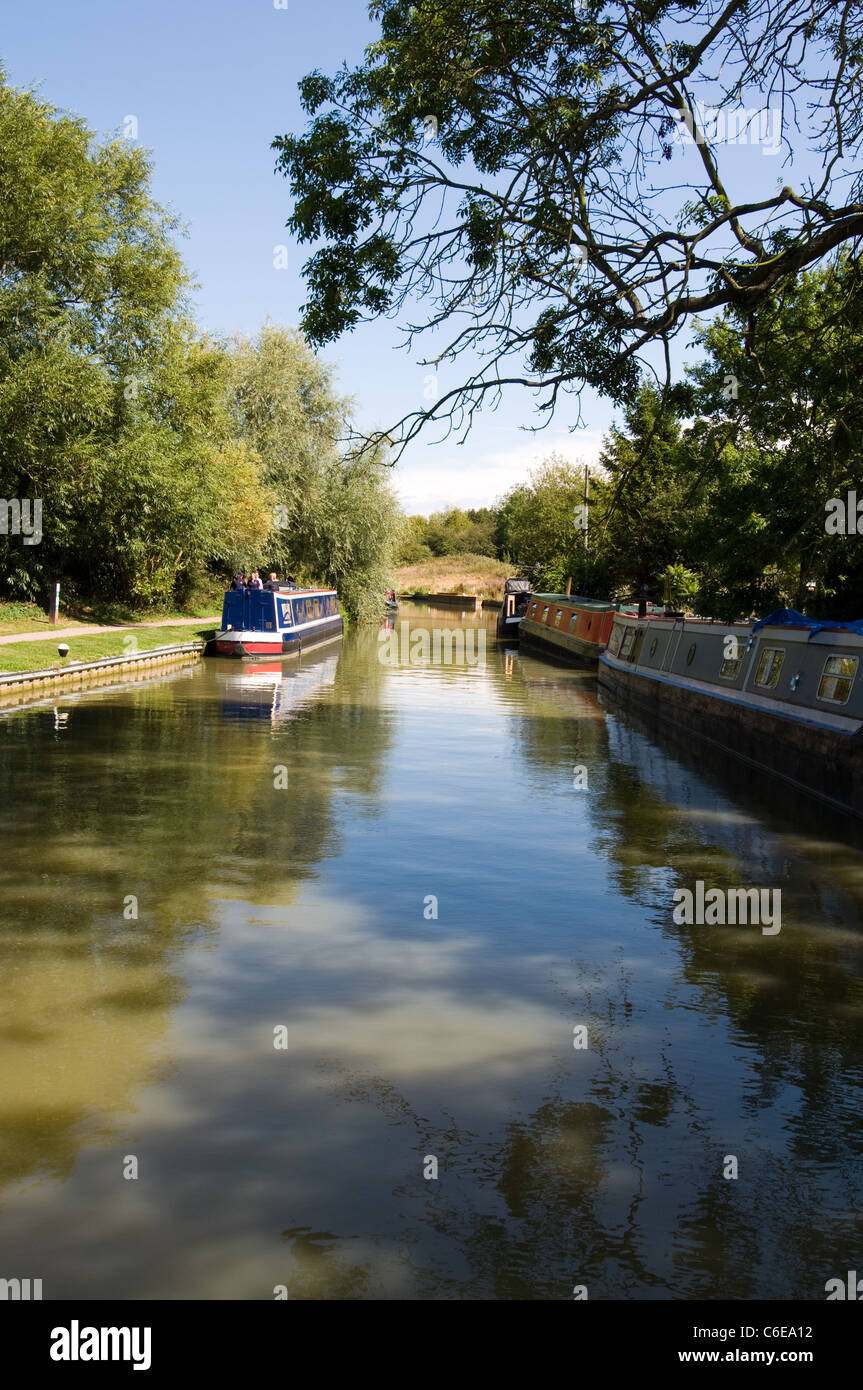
(47, 632)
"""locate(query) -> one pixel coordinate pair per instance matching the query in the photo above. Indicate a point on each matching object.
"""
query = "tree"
(778, 435)
(113, 411)
(542, 523)
(335, 518)
(553, 180)
(636, 538)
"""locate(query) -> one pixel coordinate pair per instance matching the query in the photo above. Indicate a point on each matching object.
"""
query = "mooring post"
(54, 603)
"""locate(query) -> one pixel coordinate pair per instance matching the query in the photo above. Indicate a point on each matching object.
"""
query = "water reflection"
(413, 1033)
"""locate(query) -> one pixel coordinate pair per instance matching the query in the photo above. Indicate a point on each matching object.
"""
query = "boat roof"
(290, 589)
(789, 617)
(575, 601)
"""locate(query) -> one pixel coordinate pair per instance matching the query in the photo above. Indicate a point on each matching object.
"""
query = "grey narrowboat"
(784, 694)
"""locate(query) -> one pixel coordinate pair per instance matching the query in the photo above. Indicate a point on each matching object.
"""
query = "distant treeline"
(735, 490)
(162, 457)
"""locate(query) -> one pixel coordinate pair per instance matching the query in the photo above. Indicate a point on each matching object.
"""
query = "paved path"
(49, 632)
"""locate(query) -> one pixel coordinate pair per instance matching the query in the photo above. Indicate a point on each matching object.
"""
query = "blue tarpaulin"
(789, 617)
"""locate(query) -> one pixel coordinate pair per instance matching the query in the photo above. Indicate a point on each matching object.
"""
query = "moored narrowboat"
(516, 597)
(784, 694)
(570, 628)
(276, 622)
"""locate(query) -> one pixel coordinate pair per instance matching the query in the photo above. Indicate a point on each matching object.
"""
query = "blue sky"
(211, 82)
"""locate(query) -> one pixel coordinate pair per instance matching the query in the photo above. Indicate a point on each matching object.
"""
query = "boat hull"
(508, 629)
(816, 750)
(572, 651)
(253, 645)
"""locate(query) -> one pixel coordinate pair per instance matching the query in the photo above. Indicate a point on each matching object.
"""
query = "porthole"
(690, 654)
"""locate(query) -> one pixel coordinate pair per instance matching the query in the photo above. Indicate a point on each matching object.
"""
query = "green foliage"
(640, 513)
(515, 177)
(537, 524)
(450, 532)
(157, 454)
(679, 586)
(335, 519)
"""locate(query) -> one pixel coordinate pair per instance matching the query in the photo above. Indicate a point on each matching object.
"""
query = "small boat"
(516, 597)
(784, 694)
(276, 622)
(391, 603)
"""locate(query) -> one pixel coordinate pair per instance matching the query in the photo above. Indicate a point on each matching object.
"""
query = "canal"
(360, 979)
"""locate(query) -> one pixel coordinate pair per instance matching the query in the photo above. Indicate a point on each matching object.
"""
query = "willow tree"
(335, 518)
(549, 193)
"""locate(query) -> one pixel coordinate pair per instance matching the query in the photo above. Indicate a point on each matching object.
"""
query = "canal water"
(359, 978)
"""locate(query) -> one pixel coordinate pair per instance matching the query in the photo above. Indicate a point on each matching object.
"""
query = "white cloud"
(466, 480)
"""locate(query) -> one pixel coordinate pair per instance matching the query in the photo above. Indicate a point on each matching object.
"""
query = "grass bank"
(35, 656)
(454, 574)
(32, 617)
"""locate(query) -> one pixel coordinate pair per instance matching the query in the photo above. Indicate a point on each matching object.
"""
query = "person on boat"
(238, 581)
(291, 582)
(273, 581)
(255, 581)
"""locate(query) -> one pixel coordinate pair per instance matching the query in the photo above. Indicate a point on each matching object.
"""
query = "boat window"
(614, 639)
(769, 667)
(532, 609)
(837, 678)
(573, 620)
(690, 654)
(558, 618)
(731, 665)
(626, 643)
(545, 613)
(652, 647)
(317, 608)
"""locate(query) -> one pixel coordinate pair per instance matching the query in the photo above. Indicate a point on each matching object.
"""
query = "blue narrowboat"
(276, 622)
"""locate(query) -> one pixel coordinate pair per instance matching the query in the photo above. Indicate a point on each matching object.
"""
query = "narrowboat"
(276, 622)
(783, 694)
(570, 628)
(516, 597)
